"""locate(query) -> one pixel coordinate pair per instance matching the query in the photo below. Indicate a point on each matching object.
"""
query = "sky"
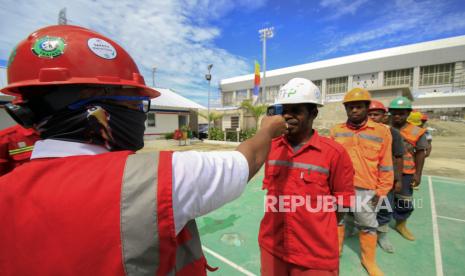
(181, 38)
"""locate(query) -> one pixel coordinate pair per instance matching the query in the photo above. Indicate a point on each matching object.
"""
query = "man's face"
(356, 111)
(377, 115)
(399, 116)
(298, 118)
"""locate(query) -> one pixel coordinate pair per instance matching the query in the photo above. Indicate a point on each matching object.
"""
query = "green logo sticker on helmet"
(49, 47)
(12, 56)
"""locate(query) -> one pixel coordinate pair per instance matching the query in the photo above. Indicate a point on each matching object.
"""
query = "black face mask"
(113, 126)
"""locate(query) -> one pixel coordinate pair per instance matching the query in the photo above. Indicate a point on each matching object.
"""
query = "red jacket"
(16, 145)
(320, 168)
(108, 214)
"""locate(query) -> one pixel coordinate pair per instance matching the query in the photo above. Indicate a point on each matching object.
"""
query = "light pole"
(154, 69)
(208, 77)
(264, 34)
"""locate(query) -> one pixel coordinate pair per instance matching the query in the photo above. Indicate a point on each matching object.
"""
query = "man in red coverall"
(16, 145)
(302, 169)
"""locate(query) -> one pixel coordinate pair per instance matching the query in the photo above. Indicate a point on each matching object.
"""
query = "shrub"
(169, 135)
(247, 133)
(216, 134)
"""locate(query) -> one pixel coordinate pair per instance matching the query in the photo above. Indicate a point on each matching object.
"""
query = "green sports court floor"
(229, 235)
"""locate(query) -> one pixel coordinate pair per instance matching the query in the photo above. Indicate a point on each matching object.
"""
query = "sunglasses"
(141, 103)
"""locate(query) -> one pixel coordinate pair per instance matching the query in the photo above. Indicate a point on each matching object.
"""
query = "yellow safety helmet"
(357, 95)
(415, 118)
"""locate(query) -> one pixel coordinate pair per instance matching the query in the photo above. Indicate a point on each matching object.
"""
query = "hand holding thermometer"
(276, 109)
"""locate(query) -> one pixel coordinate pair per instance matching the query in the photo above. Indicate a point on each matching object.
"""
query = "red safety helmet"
(424, 117)
(65, 54)
(377, 105)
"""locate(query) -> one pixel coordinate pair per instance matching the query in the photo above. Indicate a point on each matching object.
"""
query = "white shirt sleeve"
(205, 181)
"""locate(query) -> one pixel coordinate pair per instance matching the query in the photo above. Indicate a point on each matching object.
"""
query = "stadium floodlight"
(264, 34)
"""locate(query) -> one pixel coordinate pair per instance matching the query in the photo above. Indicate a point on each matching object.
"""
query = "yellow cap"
(356, 95)
(415, 118)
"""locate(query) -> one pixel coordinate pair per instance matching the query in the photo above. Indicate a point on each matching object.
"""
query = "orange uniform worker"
(86, 203)
(369, 146)
(415, 145)
(305, 168)
(378, 113)
(16, 145)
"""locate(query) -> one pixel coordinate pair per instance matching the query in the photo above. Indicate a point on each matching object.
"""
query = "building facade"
(431, 73)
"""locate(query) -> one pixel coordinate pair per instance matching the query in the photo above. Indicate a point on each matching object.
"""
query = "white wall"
(164, 123)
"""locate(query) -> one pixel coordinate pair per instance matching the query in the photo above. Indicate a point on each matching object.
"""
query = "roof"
(419, 54)
(169, 98)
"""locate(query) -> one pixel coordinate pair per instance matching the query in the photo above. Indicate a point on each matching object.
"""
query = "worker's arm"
(420, 155)
(385, 168)
(256, 149)
(341, 181)
(205, 181)
(419, 162)
(398, 168)
(398, 153)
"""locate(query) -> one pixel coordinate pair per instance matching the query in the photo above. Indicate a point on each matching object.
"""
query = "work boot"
(385, 243)
(368, 249)
(401, 227)
(340, 235)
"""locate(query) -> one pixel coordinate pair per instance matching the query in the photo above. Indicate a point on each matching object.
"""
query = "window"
(151, 121)
(317, 83)
(437, 74)
(271, 93)
(234, 122)
(336, 85)
(398, 77)
(227, 98)
(241, 95)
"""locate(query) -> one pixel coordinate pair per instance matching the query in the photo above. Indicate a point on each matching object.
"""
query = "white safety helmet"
(299, 90)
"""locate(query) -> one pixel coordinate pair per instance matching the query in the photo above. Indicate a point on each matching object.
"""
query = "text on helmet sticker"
(101, 48)
(49, 47)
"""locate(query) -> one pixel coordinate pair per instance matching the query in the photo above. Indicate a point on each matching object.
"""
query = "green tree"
(212, 117)
(255, 110)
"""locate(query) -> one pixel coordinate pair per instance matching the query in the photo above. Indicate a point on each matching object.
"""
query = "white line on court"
(449, 218)
(449, 180)
(437, 245)
(228, 262)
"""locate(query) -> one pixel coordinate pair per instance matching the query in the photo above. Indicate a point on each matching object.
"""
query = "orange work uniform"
(369, 148)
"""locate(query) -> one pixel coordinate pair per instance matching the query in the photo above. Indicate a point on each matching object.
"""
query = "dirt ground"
(153, 145)
(447, 157)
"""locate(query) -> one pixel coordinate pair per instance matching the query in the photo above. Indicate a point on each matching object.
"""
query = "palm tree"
(255, 110)
(212, 117)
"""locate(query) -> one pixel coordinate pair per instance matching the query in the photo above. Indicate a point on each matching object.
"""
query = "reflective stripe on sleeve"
(20, 150)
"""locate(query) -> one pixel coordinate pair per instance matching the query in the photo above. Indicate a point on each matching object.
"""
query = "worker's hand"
(416, 181)
(275, 125)
(398, 186)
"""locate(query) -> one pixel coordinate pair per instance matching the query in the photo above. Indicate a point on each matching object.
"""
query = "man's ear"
(314, 113)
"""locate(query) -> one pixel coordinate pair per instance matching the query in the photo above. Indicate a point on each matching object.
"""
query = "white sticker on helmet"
(101, 48)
